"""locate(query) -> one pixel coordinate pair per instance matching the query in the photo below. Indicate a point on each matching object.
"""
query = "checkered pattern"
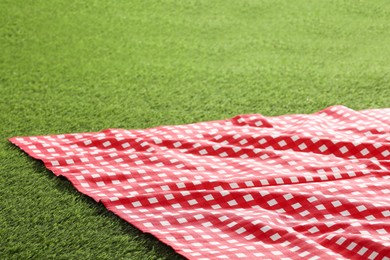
(288, 187)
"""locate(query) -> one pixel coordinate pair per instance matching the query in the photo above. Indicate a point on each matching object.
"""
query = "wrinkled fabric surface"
(288, 187)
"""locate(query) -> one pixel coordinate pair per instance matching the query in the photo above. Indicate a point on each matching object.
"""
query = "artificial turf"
(80, 66)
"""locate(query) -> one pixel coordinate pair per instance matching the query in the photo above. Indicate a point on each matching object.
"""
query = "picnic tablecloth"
(287, 187)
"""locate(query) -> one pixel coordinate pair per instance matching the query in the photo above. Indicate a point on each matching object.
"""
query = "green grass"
(79, 66)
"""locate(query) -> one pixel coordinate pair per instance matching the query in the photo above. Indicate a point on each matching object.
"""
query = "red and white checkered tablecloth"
(288, 187)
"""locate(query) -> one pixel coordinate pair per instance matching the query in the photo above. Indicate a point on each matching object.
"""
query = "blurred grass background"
(79, 66)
